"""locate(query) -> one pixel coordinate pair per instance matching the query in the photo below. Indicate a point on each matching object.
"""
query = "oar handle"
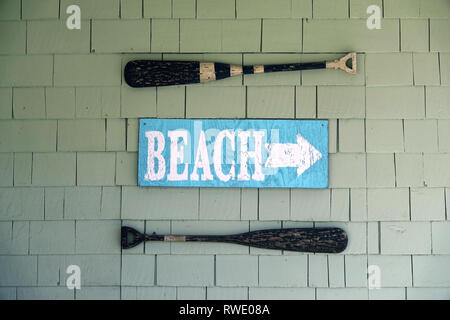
(130, 237)
(335, 64)
(283, 67)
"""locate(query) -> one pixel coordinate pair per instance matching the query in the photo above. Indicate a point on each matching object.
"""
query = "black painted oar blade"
(316, 240)
(150, 73)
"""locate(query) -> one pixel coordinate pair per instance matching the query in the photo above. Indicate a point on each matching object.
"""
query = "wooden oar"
(317, 240)
(151, 73)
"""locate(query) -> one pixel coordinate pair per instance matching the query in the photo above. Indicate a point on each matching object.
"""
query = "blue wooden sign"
(233, 153)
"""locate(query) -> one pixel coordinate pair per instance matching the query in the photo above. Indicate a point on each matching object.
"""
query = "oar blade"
(315, 240)
(151, 73)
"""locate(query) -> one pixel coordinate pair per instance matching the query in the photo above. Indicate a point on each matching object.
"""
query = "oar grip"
(174, 238)
(342, 63)
(130, 237)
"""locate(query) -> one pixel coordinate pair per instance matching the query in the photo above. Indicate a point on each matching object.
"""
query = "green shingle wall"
(68, 148)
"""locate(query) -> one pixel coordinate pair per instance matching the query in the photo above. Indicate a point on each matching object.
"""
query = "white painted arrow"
(301, 155)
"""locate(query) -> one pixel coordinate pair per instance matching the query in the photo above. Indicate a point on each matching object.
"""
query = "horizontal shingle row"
(221, 293)
(381, 203)
(245, 271)
(225, 101)
(248, 35)
(230, 9)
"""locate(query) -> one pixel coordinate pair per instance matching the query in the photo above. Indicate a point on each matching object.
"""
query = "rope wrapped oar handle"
(315, 240)
(155, 73)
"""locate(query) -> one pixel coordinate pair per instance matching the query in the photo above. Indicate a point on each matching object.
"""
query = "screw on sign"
(233, 153)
